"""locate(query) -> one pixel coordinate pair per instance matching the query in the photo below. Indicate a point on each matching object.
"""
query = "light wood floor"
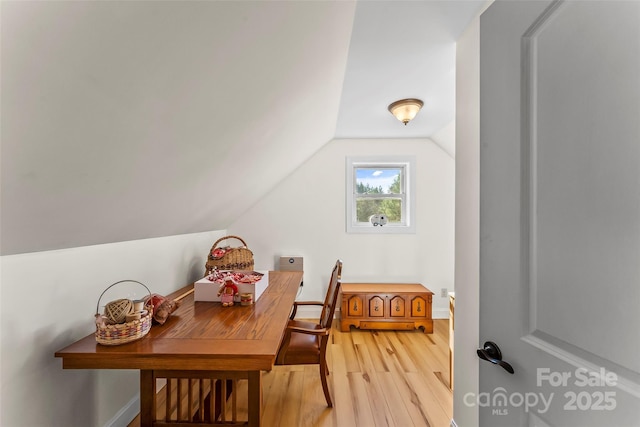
(378, 378)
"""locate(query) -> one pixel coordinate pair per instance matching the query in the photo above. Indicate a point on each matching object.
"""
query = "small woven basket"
(124, 332)
(240, 258)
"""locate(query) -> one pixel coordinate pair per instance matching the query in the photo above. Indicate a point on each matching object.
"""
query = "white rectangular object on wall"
(291, 263)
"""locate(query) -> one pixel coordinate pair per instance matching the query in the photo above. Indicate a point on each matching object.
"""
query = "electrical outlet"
(444, 292)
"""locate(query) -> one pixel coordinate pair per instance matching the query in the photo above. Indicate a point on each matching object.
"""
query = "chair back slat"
(331, 299)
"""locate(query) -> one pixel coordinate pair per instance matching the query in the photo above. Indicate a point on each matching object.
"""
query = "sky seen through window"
(377, 177)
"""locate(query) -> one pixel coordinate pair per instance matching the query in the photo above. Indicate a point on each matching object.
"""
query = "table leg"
(147, 398)
(255, 398)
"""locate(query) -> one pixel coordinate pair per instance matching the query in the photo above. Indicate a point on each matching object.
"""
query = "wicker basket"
(124, 332)
(240, 258)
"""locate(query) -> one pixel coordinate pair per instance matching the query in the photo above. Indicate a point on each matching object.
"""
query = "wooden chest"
(386, 306)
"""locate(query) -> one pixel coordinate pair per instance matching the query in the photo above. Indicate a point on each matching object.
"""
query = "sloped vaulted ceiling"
(124, 120)
(128, 120)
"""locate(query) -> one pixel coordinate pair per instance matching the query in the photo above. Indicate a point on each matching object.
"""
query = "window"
(380, 195)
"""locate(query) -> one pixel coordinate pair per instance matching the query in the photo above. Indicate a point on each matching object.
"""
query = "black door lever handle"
(491, 353)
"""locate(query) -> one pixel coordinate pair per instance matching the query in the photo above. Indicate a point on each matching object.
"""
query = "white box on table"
(206, 290)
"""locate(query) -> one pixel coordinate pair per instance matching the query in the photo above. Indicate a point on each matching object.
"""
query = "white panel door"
(560, 213)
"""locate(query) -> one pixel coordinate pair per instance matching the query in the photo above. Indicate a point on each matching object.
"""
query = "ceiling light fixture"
(405, 109)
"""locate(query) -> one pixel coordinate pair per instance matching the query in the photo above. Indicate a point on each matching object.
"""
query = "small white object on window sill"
(378, 220)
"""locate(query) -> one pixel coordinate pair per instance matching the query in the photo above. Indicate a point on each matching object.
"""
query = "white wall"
(48, 302)
(305, 215)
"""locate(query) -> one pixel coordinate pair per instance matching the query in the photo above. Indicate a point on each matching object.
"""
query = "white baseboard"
(124, 416)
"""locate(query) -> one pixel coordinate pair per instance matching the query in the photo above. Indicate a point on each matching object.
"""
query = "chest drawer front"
(418, 306)
(376, 306)
(355, 306)
(385, 324)
(397, 308)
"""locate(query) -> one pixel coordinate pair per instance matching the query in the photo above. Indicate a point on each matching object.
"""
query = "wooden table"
(201, 341)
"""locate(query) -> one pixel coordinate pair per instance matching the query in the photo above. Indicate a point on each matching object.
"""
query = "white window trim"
(363, 161)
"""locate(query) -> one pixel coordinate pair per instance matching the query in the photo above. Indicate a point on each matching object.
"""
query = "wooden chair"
(304, 342)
